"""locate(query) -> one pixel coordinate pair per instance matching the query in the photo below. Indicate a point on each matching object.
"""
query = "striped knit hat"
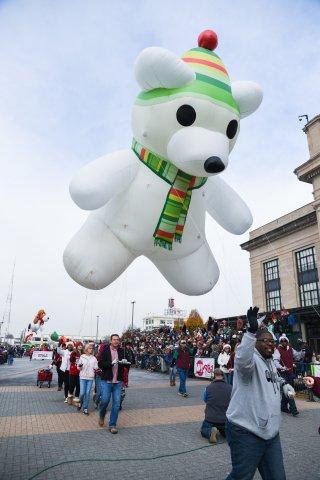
(212, 80)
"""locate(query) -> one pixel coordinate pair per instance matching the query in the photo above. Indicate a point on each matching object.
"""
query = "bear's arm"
(226, 207)
(98, 181)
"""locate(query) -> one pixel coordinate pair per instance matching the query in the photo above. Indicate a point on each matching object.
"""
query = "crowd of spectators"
(9, 352)
(215, 339)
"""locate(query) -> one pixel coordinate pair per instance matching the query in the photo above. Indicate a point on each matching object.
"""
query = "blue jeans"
(108, 390)
(183, 373)
(85, 389)
(98, 389)
(10, 359)
(249, 453)
(301, 368)
(206, 428)
(173, 373)
(228, 377)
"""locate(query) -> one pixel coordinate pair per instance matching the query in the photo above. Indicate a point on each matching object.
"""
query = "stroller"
(44, 375)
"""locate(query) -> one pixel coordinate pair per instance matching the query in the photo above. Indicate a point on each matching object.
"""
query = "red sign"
(203, 367)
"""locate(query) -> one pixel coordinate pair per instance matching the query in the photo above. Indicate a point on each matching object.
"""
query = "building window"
(307, 277)
(272, 285)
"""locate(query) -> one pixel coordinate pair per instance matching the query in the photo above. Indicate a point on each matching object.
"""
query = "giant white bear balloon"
(152, 199)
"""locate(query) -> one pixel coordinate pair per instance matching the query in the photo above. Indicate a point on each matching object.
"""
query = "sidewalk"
(37, 430)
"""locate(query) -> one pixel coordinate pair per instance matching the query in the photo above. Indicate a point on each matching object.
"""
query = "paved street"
(38, 431)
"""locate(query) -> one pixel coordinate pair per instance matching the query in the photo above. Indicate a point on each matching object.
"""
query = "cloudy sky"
(66, 90)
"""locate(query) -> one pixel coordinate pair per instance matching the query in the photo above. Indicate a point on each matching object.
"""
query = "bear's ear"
(248, 96)
(156, 67)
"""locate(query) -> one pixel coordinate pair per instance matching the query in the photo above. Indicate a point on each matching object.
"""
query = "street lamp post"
(97, 330)
(132, 313)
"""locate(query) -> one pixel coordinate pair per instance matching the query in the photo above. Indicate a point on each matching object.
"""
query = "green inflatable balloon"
(54, 337)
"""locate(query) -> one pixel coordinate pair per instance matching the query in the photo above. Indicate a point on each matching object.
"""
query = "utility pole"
(7, 310)
(97, 331)
(132, 313)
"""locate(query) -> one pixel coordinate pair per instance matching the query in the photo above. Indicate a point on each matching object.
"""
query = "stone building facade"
(285, 253)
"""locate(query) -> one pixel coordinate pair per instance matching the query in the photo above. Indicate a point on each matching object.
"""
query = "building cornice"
(311, 122)
(308, 170)
(280, 232)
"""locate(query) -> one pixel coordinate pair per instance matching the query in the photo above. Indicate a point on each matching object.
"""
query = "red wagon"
(44, 376)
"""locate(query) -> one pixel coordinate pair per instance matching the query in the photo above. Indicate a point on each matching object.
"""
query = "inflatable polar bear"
(152, 199)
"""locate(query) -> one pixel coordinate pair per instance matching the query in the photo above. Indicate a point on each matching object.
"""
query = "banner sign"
(315, 370)
(203, 367)
(41, 355)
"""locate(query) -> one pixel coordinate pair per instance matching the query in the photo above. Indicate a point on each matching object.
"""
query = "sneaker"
(101, 422)
(79, 407)
(185, 395)
(213, 436)
(294, 414)
(113, 430)
(66, 400)
(181, 394)
(85, 412)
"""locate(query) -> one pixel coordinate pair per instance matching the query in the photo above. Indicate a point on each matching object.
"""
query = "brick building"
(285, 253)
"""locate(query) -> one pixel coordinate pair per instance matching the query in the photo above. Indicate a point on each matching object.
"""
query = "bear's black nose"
(214, 165)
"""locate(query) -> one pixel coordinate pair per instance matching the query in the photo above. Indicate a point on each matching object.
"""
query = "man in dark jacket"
(112, 362)
(183, 364)
(217, 398)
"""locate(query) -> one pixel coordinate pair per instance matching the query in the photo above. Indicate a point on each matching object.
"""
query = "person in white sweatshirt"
(87, 365)
(65, 351)
(253, 415)
(223, 360)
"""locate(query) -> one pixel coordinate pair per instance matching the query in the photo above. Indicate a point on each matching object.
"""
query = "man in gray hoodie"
(253, 416)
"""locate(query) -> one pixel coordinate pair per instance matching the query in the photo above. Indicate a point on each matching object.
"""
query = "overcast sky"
(66, 90)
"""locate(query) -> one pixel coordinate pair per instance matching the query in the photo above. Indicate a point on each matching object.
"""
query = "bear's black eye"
(186, 115)
(232, 129)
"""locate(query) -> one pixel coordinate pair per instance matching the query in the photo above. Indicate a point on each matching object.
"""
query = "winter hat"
(212, 80)
(283, 337)
(226, 345)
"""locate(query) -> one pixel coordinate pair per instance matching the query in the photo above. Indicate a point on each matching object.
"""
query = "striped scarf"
(174, 213)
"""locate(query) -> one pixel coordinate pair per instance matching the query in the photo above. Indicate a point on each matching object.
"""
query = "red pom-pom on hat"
(208, 39)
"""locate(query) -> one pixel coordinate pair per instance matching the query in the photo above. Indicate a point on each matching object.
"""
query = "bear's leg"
(194, 274)
(95, 257)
